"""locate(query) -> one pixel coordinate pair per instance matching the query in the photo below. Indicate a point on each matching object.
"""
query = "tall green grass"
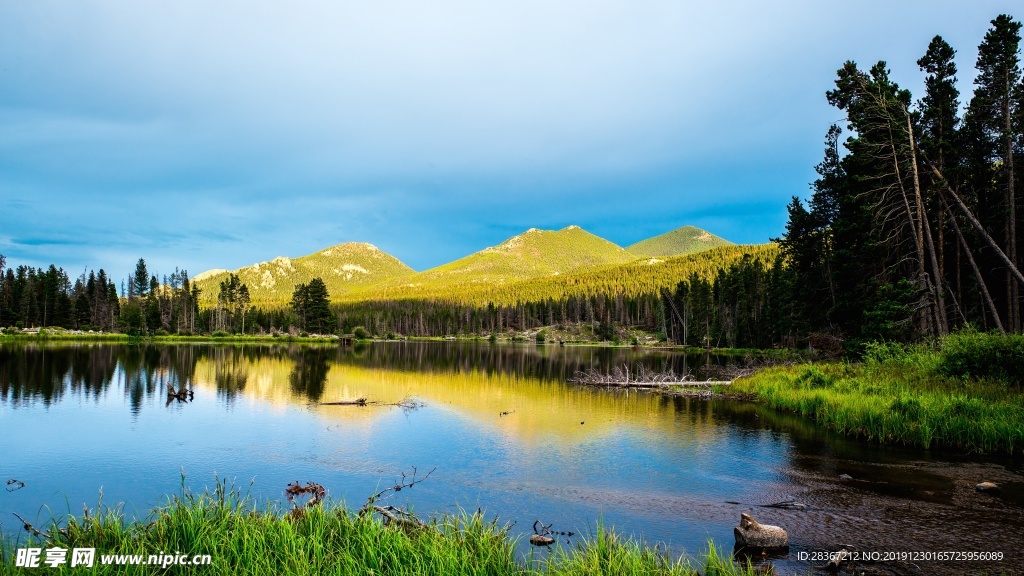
(901, 395)
(245, 538)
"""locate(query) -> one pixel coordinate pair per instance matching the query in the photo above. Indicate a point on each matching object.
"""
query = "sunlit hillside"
(685, 240)
(534, 253)
(644, 276)
(343, 268)
(534, 266)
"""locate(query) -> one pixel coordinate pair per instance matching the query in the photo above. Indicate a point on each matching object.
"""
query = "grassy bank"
(242, 538)
(963, 394)
(648, 343)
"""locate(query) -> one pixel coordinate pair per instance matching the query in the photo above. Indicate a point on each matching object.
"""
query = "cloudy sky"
(206, 134)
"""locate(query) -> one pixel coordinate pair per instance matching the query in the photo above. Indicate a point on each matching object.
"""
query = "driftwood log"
(639, 377)
(751, 534)
(356, 402)
(407, 403)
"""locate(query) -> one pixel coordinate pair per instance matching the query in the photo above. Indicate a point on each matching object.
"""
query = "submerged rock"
(987, 488)
(751, 534)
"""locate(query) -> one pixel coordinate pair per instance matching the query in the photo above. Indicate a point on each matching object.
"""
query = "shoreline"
(47, 334)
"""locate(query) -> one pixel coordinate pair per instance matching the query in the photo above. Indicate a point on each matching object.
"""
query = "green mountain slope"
(532, 254)
(343, 268)
(685, 240)
(633, 278)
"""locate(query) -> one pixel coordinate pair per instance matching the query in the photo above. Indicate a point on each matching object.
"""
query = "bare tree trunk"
(977, 273)
(977, 225)
(1012, 293)
(923, 226)
(932, 318)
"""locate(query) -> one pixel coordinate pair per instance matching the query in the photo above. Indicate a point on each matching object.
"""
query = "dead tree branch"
(407, 403)
(315, 491)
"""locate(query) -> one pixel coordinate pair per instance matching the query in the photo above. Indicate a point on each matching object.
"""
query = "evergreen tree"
(139, 282)
(319, 318)
(992, 117)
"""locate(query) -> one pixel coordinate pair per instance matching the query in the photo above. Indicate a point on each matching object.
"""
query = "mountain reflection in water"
(502, 426)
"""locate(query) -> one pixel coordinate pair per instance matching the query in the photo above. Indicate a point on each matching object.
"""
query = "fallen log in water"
(683, 383)
(642, 377)
(356, 402)
(407, 403)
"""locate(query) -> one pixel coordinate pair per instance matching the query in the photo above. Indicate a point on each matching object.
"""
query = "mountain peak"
(342, 267)
(683, 240)
(535, 253)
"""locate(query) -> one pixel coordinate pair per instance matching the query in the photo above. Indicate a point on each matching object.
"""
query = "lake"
(502, 431)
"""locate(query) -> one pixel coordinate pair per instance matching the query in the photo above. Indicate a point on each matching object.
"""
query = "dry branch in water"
(391, 513)
(642, 377)
(543, 535)
(407, 403)
(315, 491)
(183, 395)
(623, 376)
(28, 527)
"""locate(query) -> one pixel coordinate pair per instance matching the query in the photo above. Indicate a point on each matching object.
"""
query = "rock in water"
(750, 534)
(541, 540)
(987, 488)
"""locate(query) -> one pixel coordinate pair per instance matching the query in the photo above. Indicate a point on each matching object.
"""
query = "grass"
(244, 538)
(900, 395)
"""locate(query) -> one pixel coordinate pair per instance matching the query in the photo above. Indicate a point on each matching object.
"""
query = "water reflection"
(44, 373)
(309, 375)
(501, 424)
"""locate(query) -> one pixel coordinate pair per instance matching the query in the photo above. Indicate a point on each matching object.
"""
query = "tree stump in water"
(751, 534)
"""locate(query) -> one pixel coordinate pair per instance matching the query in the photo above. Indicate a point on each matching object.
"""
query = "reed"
(243, 537)
(899, 395)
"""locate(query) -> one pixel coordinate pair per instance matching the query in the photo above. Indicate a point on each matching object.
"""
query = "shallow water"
(80, 419)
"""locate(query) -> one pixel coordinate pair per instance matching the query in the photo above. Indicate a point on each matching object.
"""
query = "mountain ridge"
(359, 268)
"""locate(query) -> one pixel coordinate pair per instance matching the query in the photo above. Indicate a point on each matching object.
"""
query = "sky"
(202, 135)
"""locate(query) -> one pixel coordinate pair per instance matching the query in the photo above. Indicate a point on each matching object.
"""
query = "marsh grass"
(899, 395)
(244, 537)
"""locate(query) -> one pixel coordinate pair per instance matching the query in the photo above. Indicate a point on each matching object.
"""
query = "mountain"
(685, 240)
(632, 278)
(534, 253)
(343, 268)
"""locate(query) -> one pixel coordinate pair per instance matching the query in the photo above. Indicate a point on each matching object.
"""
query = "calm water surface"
(80, 419)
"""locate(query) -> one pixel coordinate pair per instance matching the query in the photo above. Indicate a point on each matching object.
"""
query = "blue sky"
(215, 135)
